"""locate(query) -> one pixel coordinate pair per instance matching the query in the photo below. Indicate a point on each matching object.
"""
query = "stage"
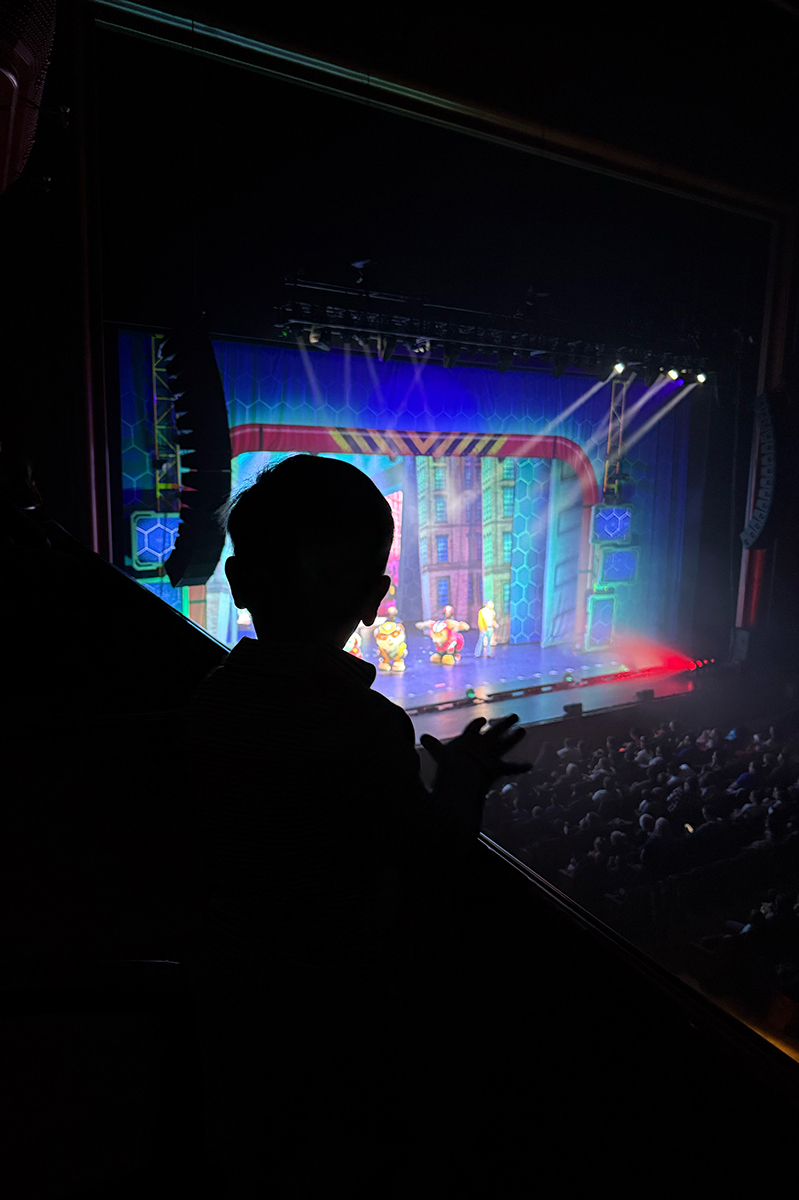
(600, 679)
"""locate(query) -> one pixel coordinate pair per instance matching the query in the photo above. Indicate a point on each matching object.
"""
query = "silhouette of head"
(311, 535)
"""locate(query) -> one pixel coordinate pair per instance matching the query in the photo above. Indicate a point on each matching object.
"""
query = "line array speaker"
(194, 377)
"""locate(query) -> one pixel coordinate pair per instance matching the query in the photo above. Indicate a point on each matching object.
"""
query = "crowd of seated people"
(697, 827)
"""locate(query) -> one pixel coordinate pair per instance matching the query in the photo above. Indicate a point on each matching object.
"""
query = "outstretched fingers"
(500, 726)
(431, 745)
(504, 744)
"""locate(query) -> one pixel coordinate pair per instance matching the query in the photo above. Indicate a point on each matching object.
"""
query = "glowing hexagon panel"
(611, 523)
(618, 566)
(529, 549)
(152, 538)
(601, 620)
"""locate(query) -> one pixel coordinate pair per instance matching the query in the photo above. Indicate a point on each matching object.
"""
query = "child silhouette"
(321, 844)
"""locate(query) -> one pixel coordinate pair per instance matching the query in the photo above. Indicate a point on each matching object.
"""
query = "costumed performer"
(486, 624)
(354, 643)
(447, 637)
(391, 645)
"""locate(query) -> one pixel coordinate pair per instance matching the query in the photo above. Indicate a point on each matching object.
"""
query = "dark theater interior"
(399, 419)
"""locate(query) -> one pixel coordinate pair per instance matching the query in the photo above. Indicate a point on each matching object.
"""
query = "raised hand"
(481, 753)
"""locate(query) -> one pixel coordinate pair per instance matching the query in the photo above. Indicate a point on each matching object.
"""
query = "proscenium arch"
(516, 133)
(287, 439)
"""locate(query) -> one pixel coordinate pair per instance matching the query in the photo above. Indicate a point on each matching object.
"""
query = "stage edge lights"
(673, 374)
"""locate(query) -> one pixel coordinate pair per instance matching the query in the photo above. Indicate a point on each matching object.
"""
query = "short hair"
(319, 521)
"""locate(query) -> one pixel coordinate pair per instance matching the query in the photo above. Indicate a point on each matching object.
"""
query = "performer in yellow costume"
(391, 645)
(486, 624)
(390, 638)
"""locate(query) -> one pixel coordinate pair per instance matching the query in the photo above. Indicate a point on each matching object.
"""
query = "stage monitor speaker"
(27, 29)
(646, 696)
(194, 377)
(573, 710)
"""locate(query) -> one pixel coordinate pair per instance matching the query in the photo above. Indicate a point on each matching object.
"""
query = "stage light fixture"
(674, 374)
(573, 710)
(619, 367)
(701, 377)
(385, 347)
(319, 338)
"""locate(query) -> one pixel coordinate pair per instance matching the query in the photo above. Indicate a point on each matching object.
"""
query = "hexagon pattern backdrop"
(461, 535)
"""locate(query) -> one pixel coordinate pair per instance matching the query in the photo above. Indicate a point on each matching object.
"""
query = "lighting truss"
(416, 329)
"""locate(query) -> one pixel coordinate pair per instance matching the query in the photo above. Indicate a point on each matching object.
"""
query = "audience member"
(569, 753)
(656, 812)
(324, 872)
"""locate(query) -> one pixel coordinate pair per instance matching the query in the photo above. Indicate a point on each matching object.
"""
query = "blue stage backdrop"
(511, 510)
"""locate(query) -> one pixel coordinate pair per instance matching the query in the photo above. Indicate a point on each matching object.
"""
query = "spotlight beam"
(567, 412)
(653, 420)
(310, 372)
(634, 409)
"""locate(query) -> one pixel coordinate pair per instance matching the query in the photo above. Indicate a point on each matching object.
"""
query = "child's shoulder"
(392, 715)
(391, 710)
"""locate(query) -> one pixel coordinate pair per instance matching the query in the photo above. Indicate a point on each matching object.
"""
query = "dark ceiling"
(221, 181)
(711, 86)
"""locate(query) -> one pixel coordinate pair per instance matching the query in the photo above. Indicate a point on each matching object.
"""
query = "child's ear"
(233, 572)
(369, 611)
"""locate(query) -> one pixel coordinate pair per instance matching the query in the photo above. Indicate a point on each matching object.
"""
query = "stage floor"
(424, 683)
